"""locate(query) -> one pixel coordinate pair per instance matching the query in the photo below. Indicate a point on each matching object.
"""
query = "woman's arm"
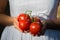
(53, 24)
(4, 19)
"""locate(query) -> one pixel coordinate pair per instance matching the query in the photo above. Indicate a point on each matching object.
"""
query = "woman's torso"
(46, 9)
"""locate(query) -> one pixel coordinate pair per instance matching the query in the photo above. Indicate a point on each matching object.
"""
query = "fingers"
(16, 24)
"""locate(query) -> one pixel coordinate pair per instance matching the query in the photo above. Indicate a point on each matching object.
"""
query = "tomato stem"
(28, 12)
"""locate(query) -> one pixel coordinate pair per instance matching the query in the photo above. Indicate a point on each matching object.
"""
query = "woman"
(45, 9)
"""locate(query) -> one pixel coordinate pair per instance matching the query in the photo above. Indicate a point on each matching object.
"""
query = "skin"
(7, 20)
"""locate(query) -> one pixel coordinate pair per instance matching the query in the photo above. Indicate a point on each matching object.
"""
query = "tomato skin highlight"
(35, 27)
(24, 17)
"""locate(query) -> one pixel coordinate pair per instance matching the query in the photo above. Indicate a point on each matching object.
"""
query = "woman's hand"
(16, 24)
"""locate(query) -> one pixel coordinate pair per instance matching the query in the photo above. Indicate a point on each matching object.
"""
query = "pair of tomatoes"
(26, 24)
(24, 21)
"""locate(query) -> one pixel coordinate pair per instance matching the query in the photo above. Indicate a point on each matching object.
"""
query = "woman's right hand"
(16, 24)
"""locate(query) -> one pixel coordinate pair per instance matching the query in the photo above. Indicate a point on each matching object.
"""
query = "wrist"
(11, 21)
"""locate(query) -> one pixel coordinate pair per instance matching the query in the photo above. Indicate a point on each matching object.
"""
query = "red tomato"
(35, 27)
(24, 17)
(24, 21)
(24, 25)
(36, 19)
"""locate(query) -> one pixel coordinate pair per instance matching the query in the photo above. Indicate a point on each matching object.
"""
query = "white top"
(46, 9)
